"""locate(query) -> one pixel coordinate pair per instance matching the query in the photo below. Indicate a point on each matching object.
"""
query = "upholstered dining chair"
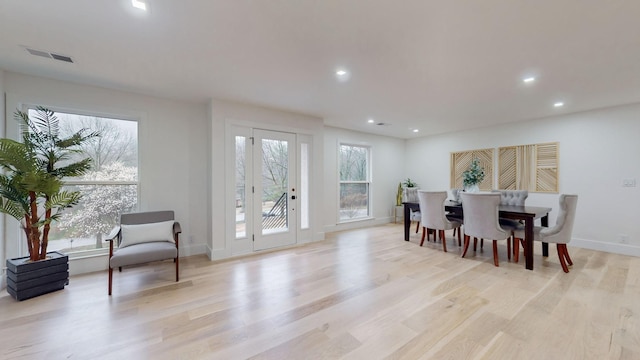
(512, 197)
(560, 234)
(481, 221)
(455, 197)
(411, 195)
(142, 238)
(434, 217)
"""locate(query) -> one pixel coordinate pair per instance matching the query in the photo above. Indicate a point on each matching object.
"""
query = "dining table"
(528, 214)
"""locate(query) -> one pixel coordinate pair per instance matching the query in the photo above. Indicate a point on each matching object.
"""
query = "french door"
(274, 189)
(266, 194)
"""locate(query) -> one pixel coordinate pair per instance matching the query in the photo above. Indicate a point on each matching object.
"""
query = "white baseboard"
(194, 249)
(615, 248)
(219, 254)
(357, 224)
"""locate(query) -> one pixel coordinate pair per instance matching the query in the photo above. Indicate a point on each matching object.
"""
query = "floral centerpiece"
(473, 176)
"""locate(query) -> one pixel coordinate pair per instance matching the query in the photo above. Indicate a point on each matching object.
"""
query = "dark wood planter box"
(26, 279)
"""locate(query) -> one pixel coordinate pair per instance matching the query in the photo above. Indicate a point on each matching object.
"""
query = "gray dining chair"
(481, 221)
(434, 216)
(512, 197)
(516, 198)
(560, 234)
(411, 195)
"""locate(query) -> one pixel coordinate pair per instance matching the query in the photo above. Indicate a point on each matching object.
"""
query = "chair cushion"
(143, 253)
(143, 233)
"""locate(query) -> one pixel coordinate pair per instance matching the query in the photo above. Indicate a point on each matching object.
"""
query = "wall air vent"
(49, 55)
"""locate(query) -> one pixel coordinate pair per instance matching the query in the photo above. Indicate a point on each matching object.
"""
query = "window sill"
(368, 218)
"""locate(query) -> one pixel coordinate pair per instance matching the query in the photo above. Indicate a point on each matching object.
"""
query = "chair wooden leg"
(177, 261)
(110, 279)
(516, 250)
(509, 248)
(566, 254)
(417, 226)
(442, 238)
(561, 257)
(481, 244)
(459, 241)
(466, 244)
(495, 253)
(475, 243)
(424, 231)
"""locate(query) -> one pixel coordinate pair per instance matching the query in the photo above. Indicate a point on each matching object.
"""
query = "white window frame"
(104, 250)
(368, 181)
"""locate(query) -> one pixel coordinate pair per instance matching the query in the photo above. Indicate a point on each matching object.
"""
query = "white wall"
(388, 158)
(173, 149)
(598, 149)
(222, 115)
(2, 219)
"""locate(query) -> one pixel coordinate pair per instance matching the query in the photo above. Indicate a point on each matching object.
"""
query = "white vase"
(472, 188)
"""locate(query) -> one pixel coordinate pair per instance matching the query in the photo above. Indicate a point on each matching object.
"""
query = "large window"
(355, 182)
(108, 190)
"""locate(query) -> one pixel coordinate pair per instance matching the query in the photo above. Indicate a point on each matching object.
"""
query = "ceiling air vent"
(61, 57)
(382, 124)
(49, 55)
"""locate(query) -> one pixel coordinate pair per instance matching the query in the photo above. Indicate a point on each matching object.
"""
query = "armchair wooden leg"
(509, 248)
(177, 261)
(495, 253)
(516, 250)
(110, 279)
(459, 241)
(417, 226)
(424, 232)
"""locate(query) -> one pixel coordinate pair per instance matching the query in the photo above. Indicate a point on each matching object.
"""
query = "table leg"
(545, 246)
(528, 242)
(407, 222)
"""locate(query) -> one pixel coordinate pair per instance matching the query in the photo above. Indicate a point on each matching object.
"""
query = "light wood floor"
(362, 294)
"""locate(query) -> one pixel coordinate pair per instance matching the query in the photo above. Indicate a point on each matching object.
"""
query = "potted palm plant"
(31, 192)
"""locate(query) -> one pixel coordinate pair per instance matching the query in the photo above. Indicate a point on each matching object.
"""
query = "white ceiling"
(438, 66)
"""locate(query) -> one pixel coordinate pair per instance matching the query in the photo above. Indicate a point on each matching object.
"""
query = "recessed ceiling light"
(529, 79)
(558, 104)
(342, 75)
(416, 130)
(139, 4)
(371, 121)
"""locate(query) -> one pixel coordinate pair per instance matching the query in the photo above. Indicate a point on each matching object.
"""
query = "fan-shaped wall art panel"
(460, 162)
(529, 167)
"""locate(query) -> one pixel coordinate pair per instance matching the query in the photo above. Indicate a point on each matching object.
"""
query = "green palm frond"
(63, 199)
(12, 208)
(16, 157)
(77, 139)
